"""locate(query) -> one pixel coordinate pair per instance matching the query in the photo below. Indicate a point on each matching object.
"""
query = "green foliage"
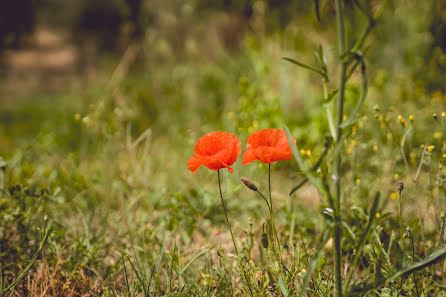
(107, 164)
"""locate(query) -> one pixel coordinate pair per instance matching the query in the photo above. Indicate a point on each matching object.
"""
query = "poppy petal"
(194, 163)
(281, 155)
(230, 170)
(213, 163)
(236, 150)
(249, 156)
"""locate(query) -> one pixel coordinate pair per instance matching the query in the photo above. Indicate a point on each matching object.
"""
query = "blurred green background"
(102, 102)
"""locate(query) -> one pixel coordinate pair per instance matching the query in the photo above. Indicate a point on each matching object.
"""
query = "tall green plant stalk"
(338, 137)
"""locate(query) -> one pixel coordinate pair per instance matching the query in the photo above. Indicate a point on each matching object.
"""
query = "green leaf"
(324, 75)
(299, 185)
(283, 287)
(330, 97)
(363, 288)
(328, 142)
(362, 241)
(320, 59)
(298, 157)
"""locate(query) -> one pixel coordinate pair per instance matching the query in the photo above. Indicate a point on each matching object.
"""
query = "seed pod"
(264, 239)
(249, 184)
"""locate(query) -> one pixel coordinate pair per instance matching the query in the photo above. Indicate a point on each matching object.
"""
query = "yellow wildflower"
(437, 135)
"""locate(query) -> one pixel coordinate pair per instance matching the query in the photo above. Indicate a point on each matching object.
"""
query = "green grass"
(107, 166)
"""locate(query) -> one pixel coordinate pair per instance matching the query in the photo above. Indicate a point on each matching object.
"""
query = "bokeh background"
(102, 102)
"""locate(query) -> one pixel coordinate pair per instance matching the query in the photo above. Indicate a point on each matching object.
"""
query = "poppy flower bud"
(400, 186)
(264, 240)
(249, 184)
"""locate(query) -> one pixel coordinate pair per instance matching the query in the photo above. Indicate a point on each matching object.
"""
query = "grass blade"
(313, 263)
(362, 241)
(282, 287)
(364, 288)
(8, 290)
(193, 260)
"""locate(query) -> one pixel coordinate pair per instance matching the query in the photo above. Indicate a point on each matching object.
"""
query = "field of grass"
(97, 200)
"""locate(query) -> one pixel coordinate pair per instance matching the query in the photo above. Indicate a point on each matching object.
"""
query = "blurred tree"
(17, 21)
(101, 22)
(438, 25)
(136, 18)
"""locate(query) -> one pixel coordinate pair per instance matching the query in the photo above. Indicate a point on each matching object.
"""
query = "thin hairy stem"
(413, 260)
(273, 225)
(339, 115)
(226, 215)
(400, 220)
(232, 234)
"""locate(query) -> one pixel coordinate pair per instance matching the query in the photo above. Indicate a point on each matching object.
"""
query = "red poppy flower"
(215, 150)
(267, 145)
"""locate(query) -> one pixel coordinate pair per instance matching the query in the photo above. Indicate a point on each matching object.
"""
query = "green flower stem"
(232, 234)
(273, 227)
(413, 260)
(339, 115)
(271, 208)
(328, 108)
(400, 220)
(226, 215)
